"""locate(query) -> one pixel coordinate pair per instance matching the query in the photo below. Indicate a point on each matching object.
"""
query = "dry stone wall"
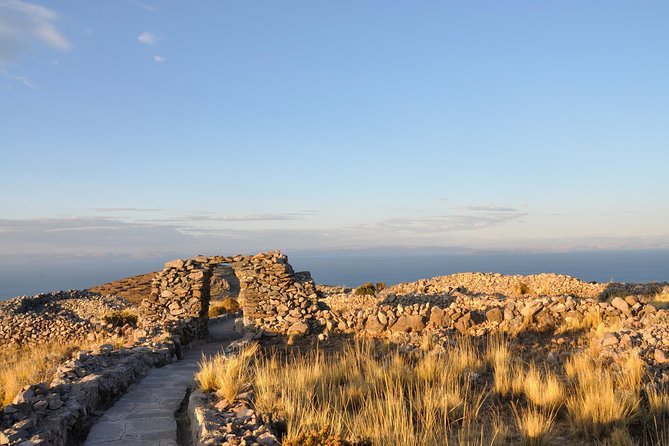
(518, 285)
(274, 298)
(51, 414)
(478, 304)
(59, 316)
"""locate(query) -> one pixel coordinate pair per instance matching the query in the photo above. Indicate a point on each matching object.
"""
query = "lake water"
(354, 269)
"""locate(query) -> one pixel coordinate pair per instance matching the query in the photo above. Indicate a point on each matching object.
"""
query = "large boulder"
(373, 326)
(439, 318)
(409, 324)
(299, 328)
(494, 315)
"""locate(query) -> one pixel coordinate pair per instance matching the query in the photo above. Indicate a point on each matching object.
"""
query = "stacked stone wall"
(273, 297)
(64, 316)
(51, 414)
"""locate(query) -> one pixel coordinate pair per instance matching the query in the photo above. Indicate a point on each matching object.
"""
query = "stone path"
(145, 414)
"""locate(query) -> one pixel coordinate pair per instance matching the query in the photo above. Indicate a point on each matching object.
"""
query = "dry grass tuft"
(590, 320)
(543, 389)
(227, 375)
(224, 306)
(382, 399)
(522, 289)
(534, 424)
(661, 299)
(498, 355)
(21, 366)
(120, 318)
(599, 402)
(658, 401)
(620, 437)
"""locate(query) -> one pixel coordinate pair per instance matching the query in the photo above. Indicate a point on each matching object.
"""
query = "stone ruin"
(273, 297)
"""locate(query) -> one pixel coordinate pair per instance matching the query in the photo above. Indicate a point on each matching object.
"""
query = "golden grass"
(21, 366)
(29, 365)
(371, 394)
(498, 355)
(534, 424)
(120, 318)
(384, 399)
(543, 389)
(661, 299)
(600, 401)
(591, 319)
(658, 401)
(227, 375)
(223, 306)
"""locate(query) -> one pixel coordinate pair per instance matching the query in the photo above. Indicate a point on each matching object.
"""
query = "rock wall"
(547, 284)
(632, 322)
(52, 414)
(59, 316)
(273, 297)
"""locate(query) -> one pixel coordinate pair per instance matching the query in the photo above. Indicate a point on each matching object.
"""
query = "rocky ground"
(57, 316)
(549, 316)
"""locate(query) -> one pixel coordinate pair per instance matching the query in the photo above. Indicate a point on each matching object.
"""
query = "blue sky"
(140, 128)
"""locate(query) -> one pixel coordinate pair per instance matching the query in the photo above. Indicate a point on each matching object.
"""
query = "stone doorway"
(224, 290)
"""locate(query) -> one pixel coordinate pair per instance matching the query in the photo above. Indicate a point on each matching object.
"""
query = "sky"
(132, 129)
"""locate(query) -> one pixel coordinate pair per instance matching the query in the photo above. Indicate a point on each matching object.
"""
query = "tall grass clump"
(534, 424)
(543, 389)
(377, 398)
(498, 355)
(33, 364)
(600, 400)
(227, 375)
(29, 365)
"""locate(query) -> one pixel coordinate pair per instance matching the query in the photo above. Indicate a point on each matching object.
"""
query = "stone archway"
(273, 297)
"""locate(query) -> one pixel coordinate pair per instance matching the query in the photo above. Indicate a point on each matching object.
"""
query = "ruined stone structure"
(273, 297)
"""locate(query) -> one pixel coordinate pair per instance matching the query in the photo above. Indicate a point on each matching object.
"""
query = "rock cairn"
(59, 316)
(274, 298)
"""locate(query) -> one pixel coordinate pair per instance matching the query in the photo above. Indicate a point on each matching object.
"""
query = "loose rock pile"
(59, 316)
(216, 422)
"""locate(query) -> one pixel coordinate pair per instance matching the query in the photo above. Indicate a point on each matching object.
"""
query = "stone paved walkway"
(144, 416)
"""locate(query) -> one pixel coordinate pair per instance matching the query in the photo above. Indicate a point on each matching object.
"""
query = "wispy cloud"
(144, 6)
(16, 78)
(22, 24)
(489, 208)
(158, 59)
(443, 223)
(126, 209)
(104, 236)
(185, 221)
(148, 38)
